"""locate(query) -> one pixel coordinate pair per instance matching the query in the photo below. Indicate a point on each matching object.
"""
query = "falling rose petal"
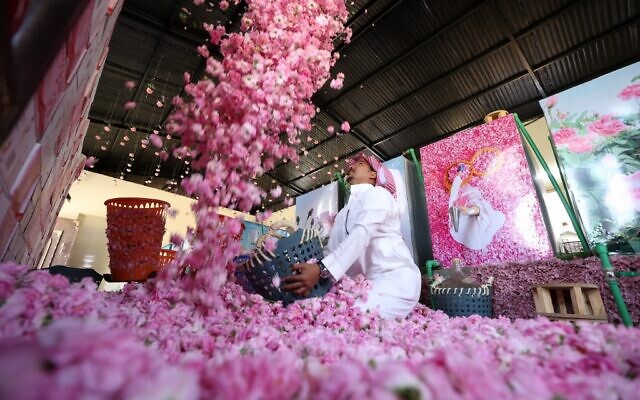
(275, 281)
(156, 131)
(270, 244)
(159, 104)
(90, 162)
(168, 137)
(121, 143)
(203, 51)
(149, 90)
(309, 138)
(103, 148)
(337, 82)
(126, 138)
(336, 158)
(106, 129)
(156, 140)
(133, 129)
(331, 129)
(306, 152)
(98, 137)
(129, 105)
(131, 155)
(129, 84)
(345, 126)
(263, 216)
(276, 192)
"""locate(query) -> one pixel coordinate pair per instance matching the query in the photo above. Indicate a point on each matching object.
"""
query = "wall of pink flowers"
(481, 202)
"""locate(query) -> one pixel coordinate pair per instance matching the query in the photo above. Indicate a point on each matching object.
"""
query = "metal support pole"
(610, 277)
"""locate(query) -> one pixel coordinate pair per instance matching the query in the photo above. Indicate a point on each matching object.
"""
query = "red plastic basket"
(135, 227)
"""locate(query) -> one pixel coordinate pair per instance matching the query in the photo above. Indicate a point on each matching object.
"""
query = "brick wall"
(42, 156)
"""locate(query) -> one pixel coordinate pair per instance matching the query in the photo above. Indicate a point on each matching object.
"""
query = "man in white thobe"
(366, 239)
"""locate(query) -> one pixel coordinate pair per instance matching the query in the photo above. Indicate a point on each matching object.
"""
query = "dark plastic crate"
(256, 275)
(463, 302)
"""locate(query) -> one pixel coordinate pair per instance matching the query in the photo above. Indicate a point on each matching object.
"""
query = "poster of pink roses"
(596, 134)
(481, 202)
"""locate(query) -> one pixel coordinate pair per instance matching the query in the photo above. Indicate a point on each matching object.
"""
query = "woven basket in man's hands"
(263, 272)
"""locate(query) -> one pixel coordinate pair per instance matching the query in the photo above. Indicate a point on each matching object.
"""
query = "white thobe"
(366, 239)
(474, 231)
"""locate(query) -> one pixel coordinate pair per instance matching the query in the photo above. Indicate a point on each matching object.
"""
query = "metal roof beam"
(555, 58)
(406, 54)
(507, 30)
(377, 18)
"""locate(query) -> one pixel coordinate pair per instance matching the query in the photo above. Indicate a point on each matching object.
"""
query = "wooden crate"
(569, 302)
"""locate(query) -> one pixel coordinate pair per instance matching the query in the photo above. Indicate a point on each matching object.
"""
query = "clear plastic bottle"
(456, 264)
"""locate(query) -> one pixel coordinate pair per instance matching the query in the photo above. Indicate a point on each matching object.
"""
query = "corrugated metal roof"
(415, 71)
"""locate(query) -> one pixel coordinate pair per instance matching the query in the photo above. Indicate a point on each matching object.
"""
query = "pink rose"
(345, 126)
(580, 144)
(551, 102)
(564, 135)
(90, 162)
(630, 92)
(607, 126)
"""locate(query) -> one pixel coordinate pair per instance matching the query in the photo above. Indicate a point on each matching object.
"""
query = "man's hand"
(303, 282)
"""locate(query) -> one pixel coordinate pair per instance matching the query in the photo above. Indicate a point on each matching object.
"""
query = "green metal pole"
(610, 276)
(565, 203)
(412, 153)
(431, 264)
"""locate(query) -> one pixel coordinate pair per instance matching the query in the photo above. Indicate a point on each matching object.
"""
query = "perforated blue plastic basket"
(256, 275)
(463, 302)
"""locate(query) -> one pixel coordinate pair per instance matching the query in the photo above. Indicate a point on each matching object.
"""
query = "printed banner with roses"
(481, 202)
(596, 134)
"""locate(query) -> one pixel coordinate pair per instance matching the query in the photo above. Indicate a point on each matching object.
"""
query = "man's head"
(368, 169)
(361, 172)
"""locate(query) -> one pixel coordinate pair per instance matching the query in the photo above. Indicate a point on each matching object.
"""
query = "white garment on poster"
(473, 231)
(366, 239)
